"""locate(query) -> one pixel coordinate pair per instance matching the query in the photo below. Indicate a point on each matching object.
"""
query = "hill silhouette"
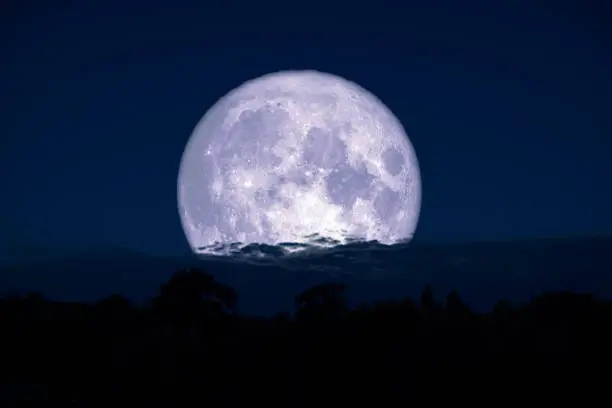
(482, 271)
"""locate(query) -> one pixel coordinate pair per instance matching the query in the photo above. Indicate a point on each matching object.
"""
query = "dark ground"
(190, 347)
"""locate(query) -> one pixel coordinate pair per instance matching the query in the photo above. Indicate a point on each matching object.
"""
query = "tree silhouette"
(455, 307)
(325, 301)
(429, 305)
(192, 295)
(193, 286)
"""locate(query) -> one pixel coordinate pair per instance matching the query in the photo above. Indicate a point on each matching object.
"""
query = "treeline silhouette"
(189, 346)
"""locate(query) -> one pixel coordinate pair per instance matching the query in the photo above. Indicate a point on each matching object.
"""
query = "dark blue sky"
(507, 104)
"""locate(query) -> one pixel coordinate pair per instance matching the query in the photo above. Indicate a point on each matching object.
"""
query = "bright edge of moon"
(298, 157)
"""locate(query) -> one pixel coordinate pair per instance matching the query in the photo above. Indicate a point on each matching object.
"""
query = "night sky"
(507, 103)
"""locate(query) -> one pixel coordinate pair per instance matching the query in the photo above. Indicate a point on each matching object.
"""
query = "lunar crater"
(393, 160)
(344, 185)
(323, 148)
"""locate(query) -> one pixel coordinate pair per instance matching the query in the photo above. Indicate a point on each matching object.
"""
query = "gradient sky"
(507, 104)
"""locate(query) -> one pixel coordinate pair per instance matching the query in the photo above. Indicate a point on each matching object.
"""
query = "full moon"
(298, 155)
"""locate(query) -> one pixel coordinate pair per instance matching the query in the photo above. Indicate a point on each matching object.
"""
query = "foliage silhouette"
(189, 345)
(322, 302)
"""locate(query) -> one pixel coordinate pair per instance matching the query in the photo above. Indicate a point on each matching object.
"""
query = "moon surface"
(298, 155)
